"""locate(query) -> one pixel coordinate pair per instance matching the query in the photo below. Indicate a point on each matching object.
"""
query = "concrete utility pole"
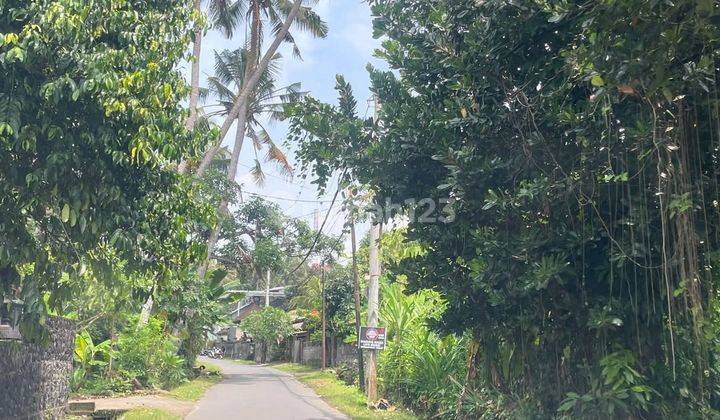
(324, 322)
(356, 297)
(372, 319)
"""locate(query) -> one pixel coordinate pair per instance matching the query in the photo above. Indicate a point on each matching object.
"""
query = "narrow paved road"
(256, 392)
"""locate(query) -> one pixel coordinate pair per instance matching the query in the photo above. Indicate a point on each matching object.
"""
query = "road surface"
(257, 392)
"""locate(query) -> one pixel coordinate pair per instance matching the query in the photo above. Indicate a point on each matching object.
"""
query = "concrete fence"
(309, 353)
(296, 350)
(238, 349)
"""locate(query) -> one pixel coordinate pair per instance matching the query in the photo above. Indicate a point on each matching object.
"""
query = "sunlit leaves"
(91, 123)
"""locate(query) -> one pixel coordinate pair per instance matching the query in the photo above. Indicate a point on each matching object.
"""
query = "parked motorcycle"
(215, 353)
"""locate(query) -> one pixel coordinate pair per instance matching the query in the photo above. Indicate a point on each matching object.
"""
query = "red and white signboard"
(372, 338)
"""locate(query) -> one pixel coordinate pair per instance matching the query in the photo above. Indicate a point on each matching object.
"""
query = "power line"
(319, 232)
(284, 179)
(297, 200)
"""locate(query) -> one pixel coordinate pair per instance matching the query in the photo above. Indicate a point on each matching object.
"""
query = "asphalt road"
(256, 392)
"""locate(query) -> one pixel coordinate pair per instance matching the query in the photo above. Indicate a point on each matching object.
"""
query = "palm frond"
(257, 173)
(203, 93)
(230, 66)
(277, 156)
(309, 21)
(226, 15)
(277, 115)
(257, 142)
(222, 92)
(203, 123)
(275, 66)
(274, 154)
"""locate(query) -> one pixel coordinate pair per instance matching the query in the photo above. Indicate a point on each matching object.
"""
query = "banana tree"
(88, 356)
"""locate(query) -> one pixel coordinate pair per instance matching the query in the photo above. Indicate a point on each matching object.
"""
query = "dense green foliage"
(268, 326)
(142, 356)
(147, 353)
(336, 287)
(259, 237)
(418, 368)
(195, 309)
(90, 129)
(578, 142)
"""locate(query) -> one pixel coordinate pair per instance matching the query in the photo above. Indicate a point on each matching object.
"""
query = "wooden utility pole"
(324, 322)
(356, 297)
(372, 319)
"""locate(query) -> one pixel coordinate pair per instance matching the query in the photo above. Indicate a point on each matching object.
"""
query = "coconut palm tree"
(225, 16)
(278, 15)
(267, 99)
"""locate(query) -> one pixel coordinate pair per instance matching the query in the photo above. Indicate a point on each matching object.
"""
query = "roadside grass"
(149, 414)
(347, 399)
(196, 388)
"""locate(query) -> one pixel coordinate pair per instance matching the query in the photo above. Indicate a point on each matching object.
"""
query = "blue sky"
(347, 49)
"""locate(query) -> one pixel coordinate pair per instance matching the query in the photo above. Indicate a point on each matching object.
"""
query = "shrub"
(148, 355)
(347, 372)
(105, 385)
(88, 358)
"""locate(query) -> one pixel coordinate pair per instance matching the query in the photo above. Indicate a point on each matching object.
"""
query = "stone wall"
(35, 380)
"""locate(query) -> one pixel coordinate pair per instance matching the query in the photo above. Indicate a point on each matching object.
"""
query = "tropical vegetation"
(575, 144)
(545, 173)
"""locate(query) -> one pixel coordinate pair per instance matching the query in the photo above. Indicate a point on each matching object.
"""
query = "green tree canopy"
(91, 127)
(260, 237)
(267, 326)
(578, 141)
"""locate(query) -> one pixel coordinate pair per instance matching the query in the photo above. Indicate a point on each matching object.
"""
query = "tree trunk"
(195, 72)
(267, 289)
(237, 147)
(222, 211)
(113, 339)
(146, 310)
(211, 242)
(240, 103)
(239, 139)
(356, 298)
(194, 81)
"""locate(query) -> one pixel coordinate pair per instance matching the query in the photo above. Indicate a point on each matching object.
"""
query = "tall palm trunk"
(239, 137)
(195, 71)
(147, 308)
(250, 69)
(239, 110)
(222, 210)
(240, 103)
